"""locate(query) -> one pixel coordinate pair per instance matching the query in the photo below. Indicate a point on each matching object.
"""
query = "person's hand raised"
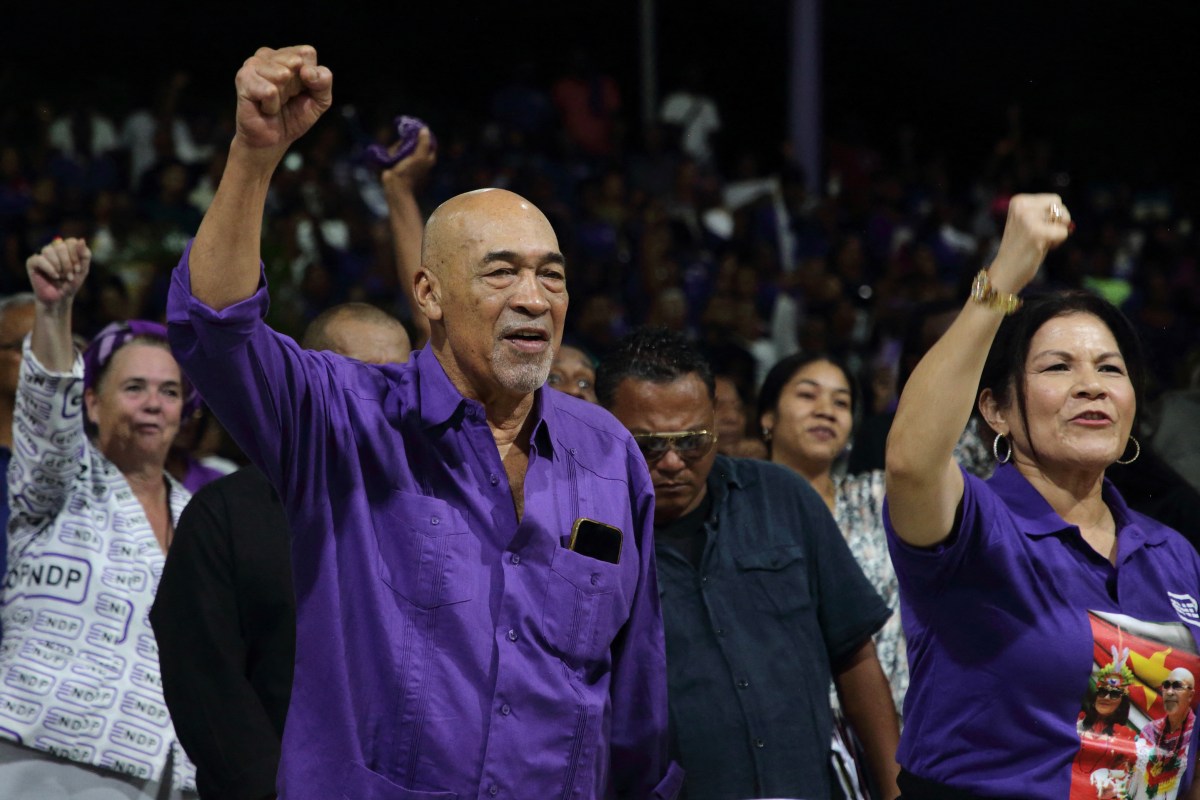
(58, 271)
(1036, 224)
(280, 95)
(413, 170)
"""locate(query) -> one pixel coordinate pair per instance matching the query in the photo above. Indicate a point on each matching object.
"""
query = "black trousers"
(914, 788)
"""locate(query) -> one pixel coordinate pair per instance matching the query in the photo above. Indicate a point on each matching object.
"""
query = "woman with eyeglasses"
(93, 513)
(573, 372)
(1014, 590)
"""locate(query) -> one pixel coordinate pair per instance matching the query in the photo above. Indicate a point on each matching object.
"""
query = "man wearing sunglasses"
(1167, 739)
(762, 601)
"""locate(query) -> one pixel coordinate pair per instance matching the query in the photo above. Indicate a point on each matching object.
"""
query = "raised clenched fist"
(281, 93)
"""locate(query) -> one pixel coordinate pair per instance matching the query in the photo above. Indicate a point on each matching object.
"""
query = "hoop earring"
(1137, 452)
(996, 449)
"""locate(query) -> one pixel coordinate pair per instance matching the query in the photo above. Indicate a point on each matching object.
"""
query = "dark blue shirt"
(754, 634)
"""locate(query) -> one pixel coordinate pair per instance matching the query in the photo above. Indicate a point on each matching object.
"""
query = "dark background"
(1111, 84)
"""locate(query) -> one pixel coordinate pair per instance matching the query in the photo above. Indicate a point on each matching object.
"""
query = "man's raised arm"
(280, 94)
(400, 185)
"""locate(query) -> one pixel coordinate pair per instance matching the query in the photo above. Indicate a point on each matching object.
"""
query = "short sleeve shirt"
(752, 636)
(1013, 619)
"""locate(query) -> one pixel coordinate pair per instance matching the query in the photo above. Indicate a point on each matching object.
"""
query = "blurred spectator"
(16, 320)
(732, 423)
(587, 101)
(573, 372)
(692, 116)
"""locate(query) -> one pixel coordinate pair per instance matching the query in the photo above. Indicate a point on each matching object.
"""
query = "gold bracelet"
(984, 293)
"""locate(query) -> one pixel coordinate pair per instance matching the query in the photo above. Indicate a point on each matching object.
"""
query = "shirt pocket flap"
(426, 553)
(584, 608)
(774, 559)
(779, 576)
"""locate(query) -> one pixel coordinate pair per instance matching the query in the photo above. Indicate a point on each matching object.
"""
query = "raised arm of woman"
(56, 273)
(924, 484)
(48, 436)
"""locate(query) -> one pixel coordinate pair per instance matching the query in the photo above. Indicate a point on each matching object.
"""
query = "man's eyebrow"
(510, 257)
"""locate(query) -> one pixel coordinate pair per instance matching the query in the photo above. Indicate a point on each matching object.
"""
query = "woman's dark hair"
(1004, 370)
(785, 370)
(1118, 717)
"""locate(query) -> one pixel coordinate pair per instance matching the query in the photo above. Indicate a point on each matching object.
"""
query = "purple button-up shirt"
(444, 649)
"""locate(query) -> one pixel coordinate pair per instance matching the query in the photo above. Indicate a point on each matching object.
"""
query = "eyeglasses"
(1104, 691)
(1178, 686)
(557, 381)
(689, 445)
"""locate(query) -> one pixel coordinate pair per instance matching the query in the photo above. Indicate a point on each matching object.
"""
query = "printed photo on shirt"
(1136, 719)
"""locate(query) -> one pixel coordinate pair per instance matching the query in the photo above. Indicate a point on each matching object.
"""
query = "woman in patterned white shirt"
(81, 705)
(807, 409)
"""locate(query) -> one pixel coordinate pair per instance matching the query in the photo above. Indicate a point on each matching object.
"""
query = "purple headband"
(115, 336)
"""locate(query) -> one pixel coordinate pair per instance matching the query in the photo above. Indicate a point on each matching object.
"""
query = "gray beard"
(524, 377)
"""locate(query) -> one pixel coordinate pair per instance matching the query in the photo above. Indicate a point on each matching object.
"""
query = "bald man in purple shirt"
(453, 640)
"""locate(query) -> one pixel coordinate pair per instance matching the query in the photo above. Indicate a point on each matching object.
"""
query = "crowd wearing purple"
(464, 625)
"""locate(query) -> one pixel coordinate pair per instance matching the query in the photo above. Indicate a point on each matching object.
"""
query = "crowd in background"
(662, 225)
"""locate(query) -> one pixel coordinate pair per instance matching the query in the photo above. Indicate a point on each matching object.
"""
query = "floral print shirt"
(859, 515)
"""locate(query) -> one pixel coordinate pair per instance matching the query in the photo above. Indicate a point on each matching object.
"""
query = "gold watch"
(984, 293)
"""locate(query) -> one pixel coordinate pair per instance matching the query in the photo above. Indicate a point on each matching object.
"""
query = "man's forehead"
(674, 405)
(485, 205)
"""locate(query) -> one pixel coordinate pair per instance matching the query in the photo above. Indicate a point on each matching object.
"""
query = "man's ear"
(995, 415)
(427, 291)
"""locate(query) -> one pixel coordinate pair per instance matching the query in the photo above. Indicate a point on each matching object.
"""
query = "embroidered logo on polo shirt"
(1186, 607)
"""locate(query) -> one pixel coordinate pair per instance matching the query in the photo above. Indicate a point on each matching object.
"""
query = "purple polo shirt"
(1000, 644)
(443, 650)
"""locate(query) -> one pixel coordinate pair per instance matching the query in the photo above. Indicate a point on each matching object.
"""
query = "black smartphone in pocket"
(596, 540)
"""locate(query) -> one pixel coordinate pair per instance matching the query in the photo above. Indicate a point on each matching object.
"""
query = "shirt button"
(759, 743)
(493, 790)
(514, 559)
(571, 451)
(435, 521)
(704, 580)
(595, 578)
(743, 684)
(512, 635)
(506, 709)
(720, 631)
(494, 478)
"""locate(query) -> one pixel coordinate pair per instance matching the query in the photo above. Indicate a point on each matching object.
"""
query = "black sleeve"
(849, 608)
(218, 716)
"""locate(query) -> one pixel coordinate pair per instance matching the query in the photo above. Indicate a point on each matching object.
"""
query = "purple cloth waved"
(407, 131)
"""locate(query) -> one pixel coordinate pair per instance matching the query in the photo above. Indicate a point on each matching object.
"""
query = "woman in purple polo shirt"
(1017, 592)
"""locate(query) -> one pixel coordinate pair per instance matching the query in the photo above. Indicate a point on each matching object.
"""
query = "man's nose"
(670, 461)
(529, 295)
